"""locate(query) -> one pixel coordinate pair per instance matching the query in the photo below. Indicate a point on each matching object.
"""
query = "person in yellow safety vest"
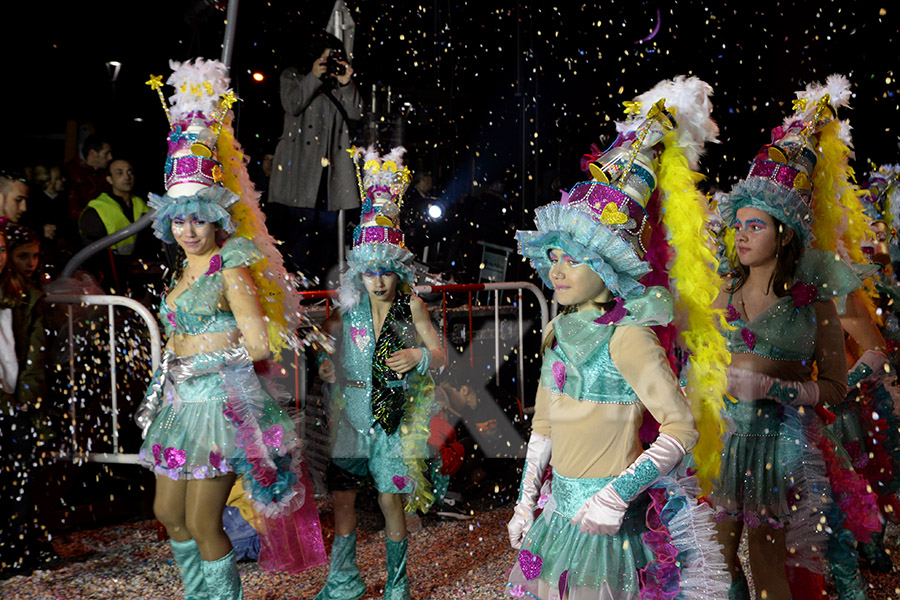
(111, 212)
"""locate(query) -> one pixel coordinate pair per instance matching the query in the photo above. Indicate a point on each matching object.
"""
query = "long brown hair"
(786, 257)
(11, 283)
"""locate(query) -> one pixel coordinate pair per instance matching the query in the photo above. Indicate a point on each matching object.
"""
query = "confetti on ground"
(458, 559)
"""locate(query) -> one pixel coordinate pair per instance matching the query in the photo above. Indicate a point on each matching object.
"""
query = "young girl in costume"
(779, 301)
(616, 519)
(383, 398)
(207, 417)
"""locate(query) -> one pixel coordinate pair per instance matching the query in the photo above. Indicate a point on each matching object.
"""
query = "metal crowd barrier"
(155, 352)
(299, 358)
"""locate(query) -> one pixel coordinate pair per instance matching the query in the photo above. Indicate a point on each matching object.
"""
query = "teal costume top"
(786, 330)
(196, 310)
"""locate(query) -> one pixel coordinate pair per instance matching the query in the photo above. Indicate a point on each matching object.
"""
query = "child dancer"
(206, 417)
(779, 302)
(383, 398)
(603, 366)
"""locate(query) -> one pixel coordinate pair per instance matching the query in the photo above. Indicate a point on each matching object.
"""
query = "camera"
(333, 64)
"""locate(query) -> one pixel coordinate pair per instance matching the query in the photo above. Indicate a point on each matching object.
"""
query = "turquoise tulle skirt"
(773, 473)
(665, 545)
(217, 417)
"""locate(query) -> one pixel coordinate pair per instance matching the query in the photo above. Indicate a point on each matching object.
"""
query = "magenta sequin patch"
(749, 338)
(559, 374)
(215, 264)
(731, 314)
(273, 436)
(172, 321)
(804, 294)
(614, 315)
(530, 564)
(215, 459)
(400, 481)
(157, 452)
(563, 583)
(174, 457)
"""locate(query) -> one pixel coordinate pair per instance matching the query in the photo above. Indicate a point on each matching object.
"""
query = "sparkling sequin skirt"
(191, 438)
(773, 473)
(661, 524)
(759, 457)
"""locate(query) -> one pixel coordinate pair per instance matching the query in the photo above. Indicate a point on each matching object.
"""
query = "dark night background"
(511, 91)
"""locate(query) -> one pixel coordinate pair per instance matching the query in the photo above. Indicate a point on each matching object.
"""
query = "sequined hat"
(780, 179)
(378, 241)
(193, 175)
(603, 222)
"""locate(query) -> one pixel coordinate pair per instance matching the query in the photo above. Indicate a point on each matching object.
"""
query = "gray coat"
(314, 130)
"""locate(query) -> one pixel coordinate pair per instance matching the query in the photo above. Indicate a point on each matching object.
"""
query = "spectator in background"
(23, 248)
(49, 217)
(87, 176)
(23, 427)
(313, 175)
(107, 214)
(13, 195)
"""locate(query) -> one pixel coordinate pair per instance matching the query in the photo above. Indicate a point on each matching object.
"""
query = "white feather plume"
(690, 99)
(836, 86)
(193, 75)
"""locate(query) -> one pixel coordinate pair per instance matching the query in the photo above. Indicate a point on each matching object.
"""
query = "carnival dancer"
(383, 392)
(866, 426)
(779, 300)
(207, 416)
(603, 366)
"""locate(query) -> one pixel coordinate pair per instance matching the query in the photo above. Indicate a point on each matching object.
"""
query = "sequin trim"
(630, 484)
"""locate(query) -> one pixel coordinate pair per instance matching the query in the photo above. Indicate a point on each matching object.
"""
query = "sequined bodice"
(196, 311)
(364, 362)
(581, 363)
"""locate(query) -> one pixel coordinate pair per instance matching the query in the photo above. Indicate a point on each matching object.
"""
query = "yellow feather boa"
(276, 307)
(696, 282)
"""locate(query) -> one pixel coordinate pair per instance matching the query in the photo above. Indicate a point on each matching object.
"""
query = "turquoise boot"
(222, 578)
(739, 589)
(187, 557)
(344, 581)
(397, 586)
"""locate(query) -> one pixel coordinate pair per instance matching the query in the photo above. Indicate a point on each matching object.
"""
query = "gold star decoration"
(228, 100)
(155, 82)
(632, 108)
(799, 104)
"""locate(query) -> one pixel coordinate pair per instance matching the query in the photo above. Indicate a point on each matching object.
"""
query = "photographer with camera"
(312, 174)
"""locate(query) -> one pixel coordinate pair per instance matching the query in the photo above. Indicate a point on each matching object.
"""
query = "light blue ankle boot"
(187, 557)
(222, 578)
(739, 589)
(397, 586)
(344, 581)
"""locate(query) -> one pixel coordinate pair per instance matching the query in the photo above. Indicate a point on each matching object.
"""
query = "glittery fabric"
(785, 331)
(389, 387)
(581, 360)
(629, 484)
(555, 555)
(591, 560)
(757, 462)
(196, 310)
(393, 443)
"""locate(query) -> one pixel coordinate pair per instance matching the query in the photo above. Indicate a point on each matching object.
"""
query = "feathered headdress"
(604, 224)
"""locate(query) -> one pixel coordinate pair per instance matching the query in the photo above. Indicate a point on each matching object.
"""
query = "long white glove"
(603, 512)
(750, 385)
(536, 460)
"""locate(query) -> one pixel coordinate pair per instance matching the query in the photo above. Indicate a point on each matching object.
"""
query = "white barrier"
(155, 352)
